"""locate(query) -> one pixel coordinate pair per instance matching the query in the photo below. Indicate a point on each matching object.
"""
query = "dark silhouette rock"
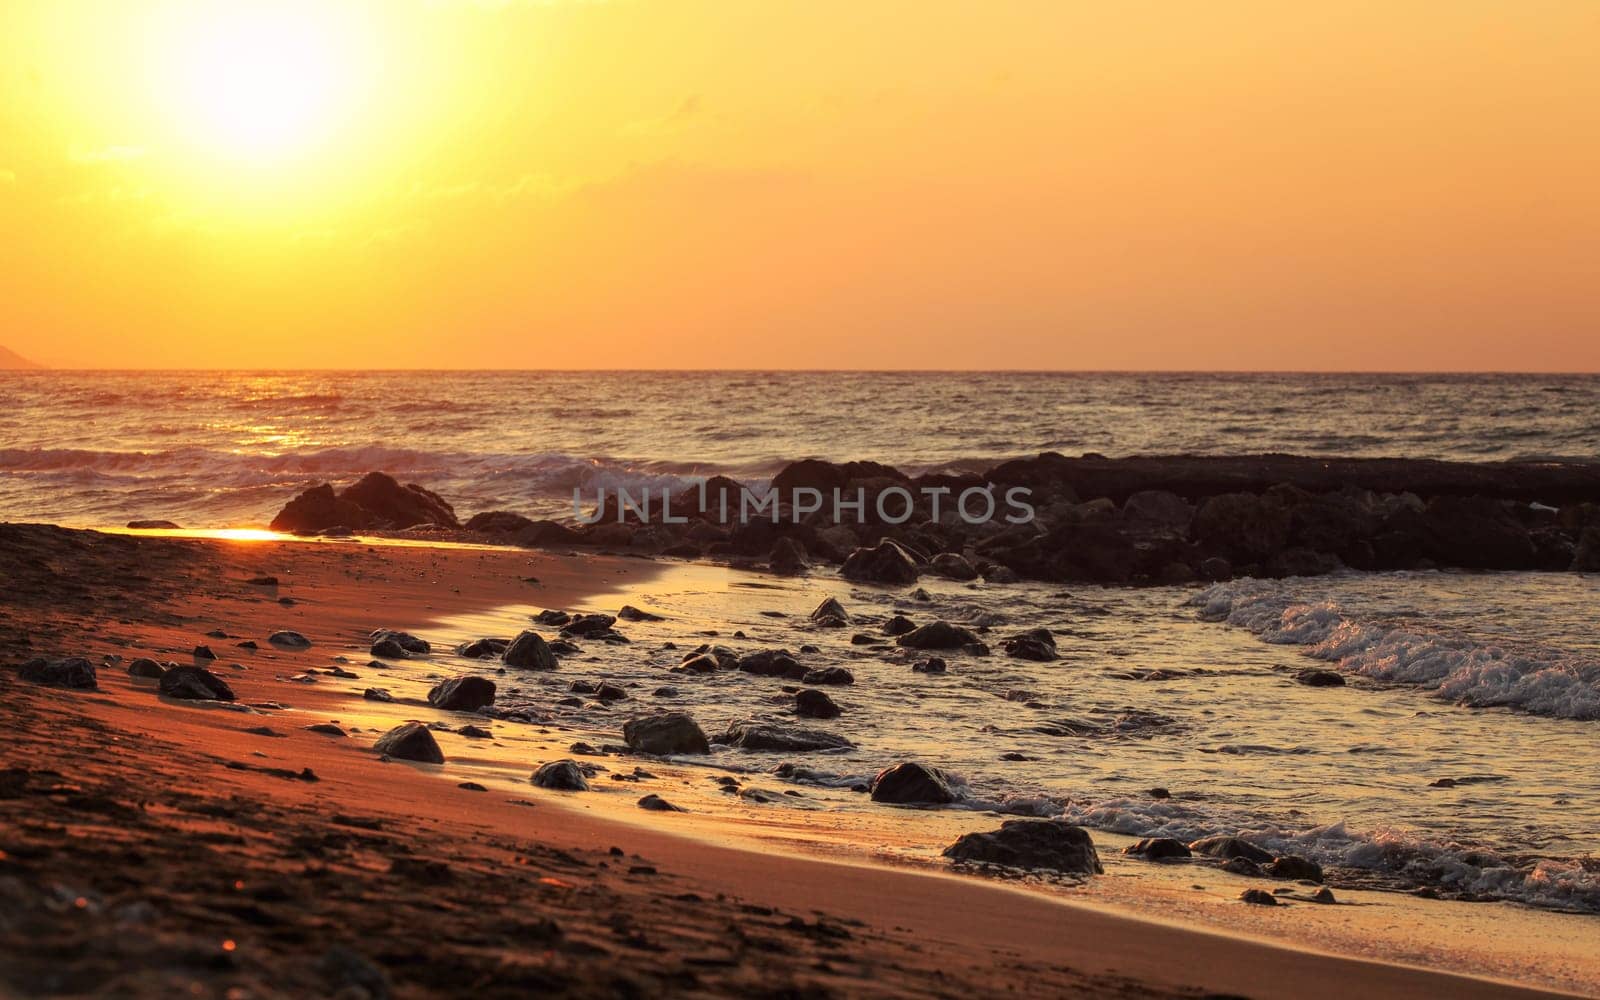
(665, 733)
(886, 562)
(1474, 533)
(1312, 677)
(629, 613)
(318, 509)
(1033, 844)
(815, 704)
(1159, 849)
(953, 566)
(154, 526)
(655, 803)
(899, 625)
(910, 783)
(498, 522)
(561, 776)
(410, 741)
(1241, 526)
(938, 635)
(1294, 867)
(1158, 507)
(930, 665)
(1227, 848)
(1035, 644)
(288, 639)
(194, 684)
(1258, 897)
(763, 736)
(771, 663)
(788, 557)
(407, 642)
(72, 672)
(462, 694)
(390, 505)
(836, 676)
(145, 667)
(483, 649)
(529, 651)
(830, 614)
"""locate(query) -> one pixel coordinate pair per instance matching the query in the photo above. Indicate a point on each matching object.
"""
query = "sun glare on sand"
(257, 81)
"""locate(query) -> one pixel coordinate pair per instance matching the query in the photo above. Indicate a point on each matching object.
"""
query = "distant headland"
(12, 361)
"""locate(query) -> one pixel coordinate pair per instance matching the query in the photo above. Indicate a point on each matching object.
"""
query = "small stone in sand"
(410, 741)
(1258, 897)
(656, 803)
(289, 640)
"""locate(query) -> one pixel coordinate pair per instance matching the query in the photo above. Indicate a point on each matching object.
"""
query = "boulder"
(930, 665)
(194, 684)
(837, 676)
(1292, 866)
(629, 613)
(788, 557)
(410, 741)
(938, 635)
(590, 626)
(462, 694)
(1035, 644)
(1242, 526)
(1159, 849)
(483, 649)
(1158, 507)
(886, 562)
(388, 504)
(830, 614)
(405, 640)
(665, 733)
(1586, 557)
(771, 663)
(1258, 897)
(899, 625)
(153, 525)
(288, 639)
(72, 672)
(498, 522)
(1314, 677)
(763, 736)
(655, 803)
(1474, 533)
(909, 783)
(529, 651)
(318, 509)
(953, 566)
(145, 667)
(1035, 844)
(561, 776)
(1228, 848)
(814, 704)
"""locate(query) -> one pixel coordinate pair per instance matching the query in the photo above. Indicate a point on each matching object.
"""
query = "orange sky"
(811, 184)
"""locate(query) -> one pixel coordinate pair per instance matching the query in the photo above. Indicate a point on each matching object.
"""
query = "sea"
(1463, 755)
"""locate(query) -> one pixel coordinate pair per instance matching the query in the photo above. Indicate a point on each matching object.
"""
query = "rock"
(788, 557)
(194, 684)
(377, 694)
(289, 640)
(1586, 557)
(608, 692)
(836, 676)
(204, 653)
(910, 783)
(154, 526)
(1259, 897)
(771, 663)
(929, 665)
(561, 776)
(938, 635)
(953, 566)
(1159, 849)
(1035, 644)
(318, 509)
(326, 729)
(814, 704)
(462, 694)
(483, 649)
(550, 616)
(1229, 847)
(763, 736)
(1324, 896)
(590, 627)
(1241, 526)
(629, 613)
(665, 733)
(388, 504)
(145, 667)
(410, 741)
(72, 672)
(1312, 677)
(885, 562)
(701, 663)
(656, 803)
(1050, 845)
(405, 640)
(529, 651)
(1158, 507)
(1244, 867)
(1474, 533)
(1294, 867)
(830, 614)
(899, 625)
(498, 522)
(389, 649)
(1216, 569)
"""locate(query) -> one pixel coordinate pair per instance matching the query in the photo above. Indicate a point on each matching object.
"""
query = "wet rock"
(388, 649)
(388, 504)
(909, 783)
(407, 642)
(498, 522)
(1033, 844)
(474, 732)
(830, 614)
(608, 692)
(665, 733)
(1324, 896)
(1313, 677)
(289, 639)
(1158, 793)
(592, 626)
(835, 676)
(1244, 867)
(1035, 644)
(655, 803)
(763, 736)
(899, 625)
(1159, 849)
(938, 635)
(204, 653)
(953, 566)
(698, 663)
(483, 649)
(1474, 533)
(886, 562)
(1219, 846)
(462, 694)
(550, 616)
(561, 776)
(1158, 507)
(929, 665)
(771, 663)
(410, 741)
(814, 704)
(629, 613)
(326, 729)
(788, 557)
(529, 651)
(145, 667)
(72, 672)
(1258, 897)
(377, 694)
(1294, 867)
(318, 509)
(1241, 526)
(194, 684)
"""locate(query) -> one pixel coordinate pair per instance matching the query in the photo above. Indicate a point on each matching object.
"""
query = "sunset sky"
(815, 184)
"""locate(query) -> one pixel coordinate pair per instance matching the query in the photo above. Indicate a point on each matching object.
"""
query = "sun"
(259, 82)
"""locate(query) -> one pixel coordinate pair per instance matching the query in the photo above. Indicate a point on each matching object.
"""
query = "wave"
(1451, 666)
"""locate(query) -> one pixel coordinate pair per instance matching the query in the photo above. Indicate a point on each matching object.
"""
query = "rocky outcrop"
(1033, 844)
(377, 500)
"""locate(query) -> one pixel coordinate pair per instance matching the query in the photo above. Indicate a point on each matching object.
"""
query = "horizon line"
(49, 370)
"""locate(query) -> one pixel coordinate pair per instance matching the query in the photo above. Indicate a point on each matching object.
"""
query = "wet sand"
(153, 846)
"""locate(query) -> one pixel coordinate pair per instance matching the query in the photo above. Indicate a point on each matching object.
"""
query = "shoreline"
(415, 585)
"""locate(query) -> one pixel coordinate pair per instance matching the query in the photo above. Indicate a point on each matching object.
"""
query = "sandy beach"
(153, 845)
